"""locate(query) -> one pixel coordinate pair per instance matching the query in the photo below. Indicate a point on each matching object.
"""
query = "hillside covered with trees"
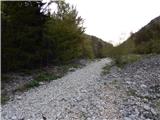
(144, 41)
(32, 36)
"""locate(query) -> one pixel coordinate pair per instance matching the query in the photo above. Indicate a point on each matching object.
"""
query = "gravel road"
(77, 96)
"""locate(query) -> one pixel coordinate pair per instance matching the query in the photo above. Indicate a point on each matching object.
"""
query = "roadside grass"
(27, 86)
(106, 69)
(131, 92)
(114, 82)
(46, 77)
(4, 99)
(42, 75)
(122, 60)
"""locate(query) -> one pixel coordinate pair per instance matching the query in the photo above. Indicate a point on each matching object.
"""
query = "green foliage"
(4, 98)
(106, 69)
(33, 83)
(147, 40)
(45, 77)
(132, 92)
(100, 48)
(65, 31)
(32, 39)
(122, 60)
(152, 46)
(36, 82)
(87, 48)
(21, 34)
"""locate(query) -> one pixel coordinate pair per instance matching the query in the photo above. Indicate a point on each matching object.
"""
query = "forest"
(33, 37)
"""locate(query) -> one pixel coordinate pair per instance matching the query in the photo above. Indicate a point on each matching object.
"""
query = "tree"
(65, 30)
(22, 35)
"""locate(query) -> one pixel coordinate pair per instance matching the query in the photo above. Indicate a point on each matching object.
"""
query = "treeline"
(32, 36)
(145, 41)
(95, 47)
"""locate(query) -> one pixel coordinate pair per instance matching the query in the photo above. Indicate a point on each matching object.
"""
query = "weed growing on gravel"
(158, 105)
(114, 82)
(35, 83)
(45, 77)
(106, 69)
(131, 92)
(121, 61)
(27, 86)
(4, 99)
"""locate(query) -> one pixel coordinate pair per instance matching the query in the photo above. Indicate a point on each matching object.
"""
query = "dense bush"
(32, 37)
(21, 34)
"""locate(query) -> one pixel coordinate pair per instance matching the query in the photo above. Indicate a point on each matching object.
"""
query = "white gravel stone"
(146, 107)
(41, 83)
(14, 118)
(19, 97)
(75, 95)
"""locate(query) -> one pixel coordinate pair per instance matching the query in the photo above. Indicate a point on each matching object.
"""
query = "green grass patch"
(106, 69)
(121, 61)
(33, 83)
(38, 78)
(131, 92)
(114, 82)
(45, 77)
(4, 99)
(27, 86)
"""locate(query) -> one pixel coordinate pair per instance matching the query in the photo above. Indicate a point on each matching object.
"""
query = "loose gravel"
(78, 95)
(131, 93)
(139, 84)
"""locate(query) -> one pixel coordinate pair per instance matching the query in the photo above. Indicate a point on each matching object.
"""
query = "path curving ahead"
(77, 96)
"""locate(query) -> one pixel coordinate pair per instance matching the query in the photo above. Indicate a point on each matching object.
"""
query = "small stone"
(41, 83)
(127, 118)
(129, 82)
(133, 116)
(143, 86)
(136, 112)
(146, 107)
(14, 118)
(19, 98)
(72, 69)
(153, 111)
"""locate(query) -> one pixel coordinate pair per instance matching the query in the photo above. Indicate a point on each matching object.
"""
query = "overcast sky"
(113, 20)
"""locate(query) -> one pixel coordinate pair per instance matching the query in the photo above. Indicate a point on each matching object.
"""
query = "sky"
(114, 20)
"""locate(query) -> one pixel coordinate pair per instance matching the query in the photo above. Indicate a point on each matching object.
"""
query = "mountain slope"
(95, 47)
(146, 40)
